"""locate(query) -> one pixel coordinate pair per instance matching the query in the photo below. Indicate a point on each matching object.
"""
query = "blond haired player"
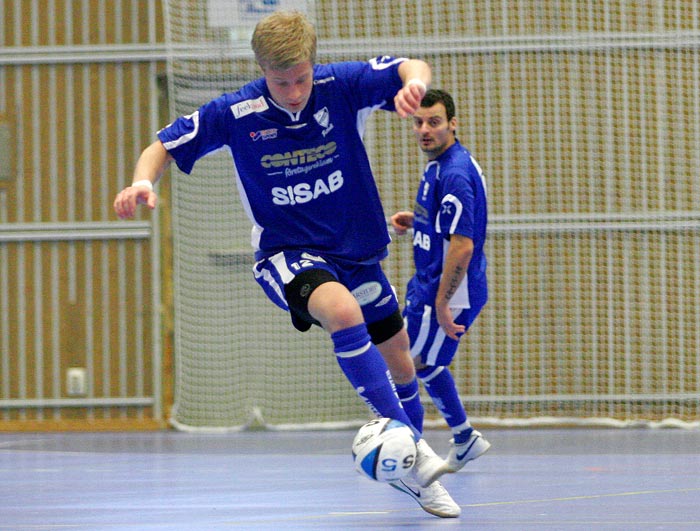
(318, 228)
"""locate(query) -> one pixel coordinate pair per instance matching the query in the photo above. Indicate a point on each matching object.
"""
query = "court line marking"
(343, 514)
(584, 497)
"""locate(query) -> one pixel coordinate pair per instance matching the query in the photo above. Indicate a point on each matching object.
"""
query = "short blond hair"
(284, 39)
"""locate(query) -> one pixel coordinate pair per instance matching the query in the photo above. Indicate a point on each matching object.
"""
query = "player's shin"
(441, 387)
(366, 370)
(409, 395)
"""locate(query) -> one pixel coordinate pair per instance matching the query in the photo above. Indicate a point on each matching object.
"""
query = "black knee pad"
(297, 293)
(385, 328)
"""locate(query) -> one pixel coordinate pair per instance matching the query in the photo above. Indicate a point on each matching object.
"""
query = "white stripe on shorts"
(280, 264)
(422, 333)
(423, 336)
(435, 348)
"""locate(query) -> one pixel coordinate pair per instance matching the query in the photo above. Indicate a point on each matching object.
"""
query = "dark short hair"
(433, 96)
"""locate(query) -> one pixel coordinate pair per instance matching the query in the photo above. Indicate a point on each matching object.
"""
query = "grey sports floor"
(539, 479)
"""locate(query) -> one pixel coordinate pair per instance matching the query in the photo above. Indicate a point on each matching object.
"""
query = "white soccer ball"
(384, 450)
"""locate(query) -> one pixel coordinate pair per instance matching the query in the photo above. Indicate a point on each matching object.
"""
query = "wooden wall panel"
(88, 300)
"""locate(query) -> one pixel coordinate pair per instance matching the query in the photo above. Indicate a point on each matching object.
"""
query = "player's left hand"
(446, 321)
(407, 100)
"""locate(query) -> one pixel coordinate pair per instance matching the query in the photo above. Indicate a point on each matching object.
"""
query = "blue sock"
(366, 370)
(409, 394)
(441, 387)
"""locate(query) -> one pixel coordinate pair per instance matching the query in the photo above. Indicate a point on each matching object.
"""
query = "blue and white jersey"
(304, 178)
(451, 199)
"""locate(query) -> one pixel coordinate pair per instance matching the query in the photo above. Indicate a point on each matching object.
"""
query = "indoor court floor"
(531, 479)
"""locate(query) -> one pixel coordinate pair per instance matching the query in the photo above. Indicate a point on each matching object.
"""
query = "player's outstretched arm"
(402, 221)
(416, 76)
(149, 168)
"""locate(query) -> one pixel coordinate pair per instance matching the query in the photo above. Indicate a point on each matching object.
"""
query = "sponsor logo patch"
(244, 108)
(298, 157)
(367, 292)
(264, 134)
(384, 301)
(304, 192)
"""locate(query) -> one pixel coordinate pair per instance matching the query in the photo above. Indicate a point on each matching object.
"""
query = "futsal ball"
(384, 450)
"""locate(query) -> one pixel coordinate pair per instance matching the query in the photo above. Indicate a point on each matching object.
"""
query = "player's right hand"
(402, 221)
(126, 200)
(445, 319)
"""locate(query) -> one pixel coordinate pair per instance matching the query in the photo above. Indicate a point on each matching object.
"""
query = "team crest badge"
(323, 118)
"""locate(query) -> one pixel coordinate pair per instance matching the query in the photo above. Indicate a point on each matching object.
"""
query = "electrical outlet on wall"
(76, 381)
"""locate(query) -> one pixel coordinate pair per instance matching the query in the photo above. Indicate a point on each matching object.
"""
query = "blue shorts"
(367, 282)
(428, 339)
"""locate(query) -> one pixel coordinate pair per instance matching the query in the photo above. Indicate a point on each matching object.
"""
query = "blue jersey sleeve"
(191, 137)
(372, 84)
(457, 205)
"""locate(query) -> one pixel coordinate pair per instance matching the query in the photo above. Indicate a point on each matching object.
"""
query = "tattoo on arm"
(454, 282)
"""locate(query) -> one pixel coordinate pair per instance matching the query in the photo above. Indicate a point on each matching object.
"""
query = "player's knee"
(401, 368)
(339, 318)
(402, 373)
(418, 364)
(335, 307)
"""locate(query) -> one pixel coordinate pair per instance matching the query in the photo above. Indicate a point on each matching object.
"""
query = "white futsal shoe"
(434, 498)
(429, 466)
(460, 454)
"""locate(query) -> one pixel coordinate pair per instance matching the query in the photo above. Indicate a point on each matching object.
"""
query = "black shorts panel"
(385, 328)
(297, 294)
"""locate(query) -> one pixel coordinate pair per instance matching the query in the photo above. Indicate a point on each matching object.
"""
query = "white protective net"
(585, 116)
